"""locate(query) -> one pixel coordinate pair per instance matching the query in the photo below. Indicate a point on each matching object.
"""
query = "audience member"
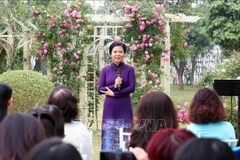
(207, 114)
(19, 133)
(210, 149)
(58, 117)
(5, 99)
(76, 132)
(47, 119)
(53, 149)
(164, 144)
(155, 111)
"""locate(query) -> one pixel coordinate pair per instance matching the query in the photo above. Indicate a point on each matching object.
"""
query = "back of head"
(54, 149)
(58, 118)
(19, 133)
(164, 144)
(205, 148)
(47, 119)
(5, 96)
(206, 107)
(155, 111)
(66, 101)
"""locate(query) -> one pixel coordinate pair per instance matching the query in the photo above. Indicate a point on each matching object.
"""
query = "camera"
(116, 155)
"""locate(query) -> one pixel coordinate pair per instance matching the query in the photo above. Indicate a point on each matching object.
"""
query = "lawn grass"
(178, 97)
(181, 96)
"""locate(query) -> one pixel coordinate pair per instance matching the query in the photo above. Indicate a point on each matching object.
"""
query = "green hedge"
(30, 89)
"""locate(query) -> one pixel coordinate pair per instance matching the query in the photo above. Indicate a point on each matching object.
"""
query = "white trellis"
(96, 51)
(7, 42)
(101, 33)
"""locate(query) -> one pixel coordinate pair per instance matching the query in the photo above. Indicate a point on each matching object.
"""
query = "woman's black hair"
(117, 43)
(5, 96)
(205, 148)
(58, 117)
(54, 148)
(47, 119)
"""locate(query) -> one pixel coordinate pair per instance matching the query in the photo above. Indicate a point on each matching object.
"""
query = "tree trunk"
(180, 71)
(194, 63)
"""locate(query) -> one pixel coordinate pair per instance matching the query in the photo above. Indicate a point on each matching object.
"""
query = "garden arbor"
(8, 42)
(95, 57)
(103, 33)
(165, 79)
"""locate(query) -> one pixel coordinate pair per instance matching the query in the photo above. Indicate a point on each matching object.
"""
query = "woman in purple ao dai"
(116, 82)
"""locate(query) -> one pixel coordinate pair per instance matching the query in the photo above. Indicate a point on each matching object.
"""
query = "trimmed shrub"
(30, 89)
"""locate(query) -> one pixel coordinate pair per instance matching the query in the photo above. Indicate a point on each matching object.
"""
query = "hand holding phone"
(139, 153)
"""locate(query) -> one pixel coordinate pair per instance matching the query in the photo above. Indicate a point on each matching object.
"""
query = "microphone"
(119, 75)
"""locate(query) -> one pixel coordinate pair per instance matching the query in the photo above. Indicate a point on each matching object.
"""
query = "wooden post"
(165, 79)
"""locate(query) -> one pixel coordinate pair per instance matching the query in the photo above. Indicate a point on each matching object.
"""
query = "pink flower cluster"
(56, 68)
(154, 75)
(145, 40)
(142, 42)
(185, 44)
(117, 38)
(147, 56)
(165, 57)
(58, 34)
(150, 83)
(145, 32)
(143, 83)
(35, 12)
(182, 114)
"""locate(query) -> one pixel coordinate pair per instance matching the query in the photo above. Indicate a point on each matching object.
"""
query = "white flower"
(223, 70)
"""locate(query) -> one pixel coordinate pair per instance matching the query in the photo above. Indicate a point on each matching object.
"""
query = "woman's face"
(117, 54)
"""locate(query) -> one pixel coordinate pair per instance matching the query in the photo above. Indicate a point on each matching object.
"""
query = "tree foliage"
(229, 69)
(198, 39)
(223, 23)
(179, 6)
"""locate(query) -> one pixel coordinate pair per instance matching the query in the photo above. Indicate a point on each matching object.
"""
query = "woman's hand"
(118, 81)
(139, 153)
(109, 92)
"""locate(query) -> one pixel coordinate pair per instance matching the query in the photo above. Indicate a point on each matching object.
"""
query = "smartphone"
(116, 155)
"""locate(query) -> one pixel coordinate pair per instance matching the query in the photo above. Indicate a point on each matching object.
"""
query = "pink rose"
(185, 44)
(141, 27)
(117, 38)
